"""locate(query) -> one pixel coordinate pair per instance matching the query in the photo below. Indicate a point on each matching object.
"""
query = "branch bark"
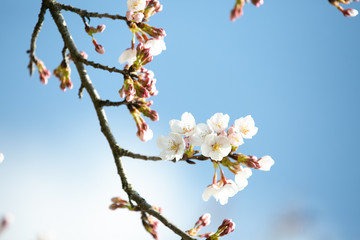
(117, 151)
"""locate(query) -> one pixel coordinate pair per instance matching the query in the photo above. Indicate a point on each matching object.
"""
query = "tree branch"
(105, 128)
(103, 67)
(85, 13)
(34, 36)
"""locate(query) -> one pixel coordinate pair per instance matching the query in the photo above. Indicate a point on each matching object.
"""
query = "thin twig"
(81, 90)
(103, 67)
(105, 128)
(34, 36)
(85, 13)
(108, 103)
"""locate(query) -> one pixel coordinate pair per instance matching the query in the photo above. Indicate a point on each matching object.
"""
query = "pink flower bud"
(138, 17)
(228, 226)
(350, 12)
(257, 3)
(205, 219)
(236, 12)
(84, 55)
(100, 28)
(99, 49)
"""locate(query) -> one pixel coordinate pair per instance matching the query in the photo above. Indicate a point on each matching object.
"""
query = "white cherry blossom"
(221, 193)
(266, 163)
(136, 5)
(185, 127)
(241, 177)
(216, 147)
(129, 56)
(200, 132)
(246, 126)
(218, 122)
(236, 139)
(173, 146)
(156, 46)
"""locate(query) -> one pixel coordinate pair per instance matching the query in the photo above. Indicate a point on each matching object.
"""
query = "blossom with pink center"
(218, 122)
(216, 147)
(246, 126)
(173, 146)
(266, 163)
(184, 127)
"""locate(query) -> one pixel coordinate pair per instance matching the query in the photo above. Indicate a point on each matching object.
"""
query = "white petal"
(210, 191)
(241, 181)
(218, 122)
(164, 142)
(129, 56)
(266, 163)
(156, 46)
(136, 5)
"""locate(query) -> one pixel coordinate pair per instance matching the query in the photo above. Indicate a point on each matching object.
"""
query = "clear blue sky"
(292, 65)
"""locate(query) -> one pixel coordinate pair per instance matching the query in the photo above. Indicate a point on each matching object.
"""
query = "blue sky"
(292, 65)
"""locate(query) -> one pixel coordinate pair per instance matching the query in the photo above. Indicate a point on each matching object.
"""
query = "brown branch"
(34, 36)
(108, 103)
(105, 128)
(85, 13)
(103, 67)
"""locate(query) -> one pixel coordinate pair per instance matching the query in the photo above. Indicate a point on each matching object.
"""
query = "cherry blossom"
(266, 163)
(173, 146)
(246, 126)
(216, 147)
(221, 191)
(1, 157)
(218, 122)
(129, 56)
(136, 5)
(156, 46)
(241, 177)
(184, 127)
(199, 134)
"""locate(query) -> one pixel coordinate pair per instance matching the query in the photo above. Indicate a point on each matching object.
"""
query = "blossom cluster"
(217, 142)
(346, 12)
(238, 9)
(140, 84)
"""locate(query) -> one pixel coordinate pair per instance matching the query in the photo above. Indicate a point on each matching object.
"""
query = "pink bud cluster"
(346, 12)
(62, 72)
(91, 30)
(150, 224)
(203, 221)
(118, 202)
(238, 11)
(43, 72)
(144, 132)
